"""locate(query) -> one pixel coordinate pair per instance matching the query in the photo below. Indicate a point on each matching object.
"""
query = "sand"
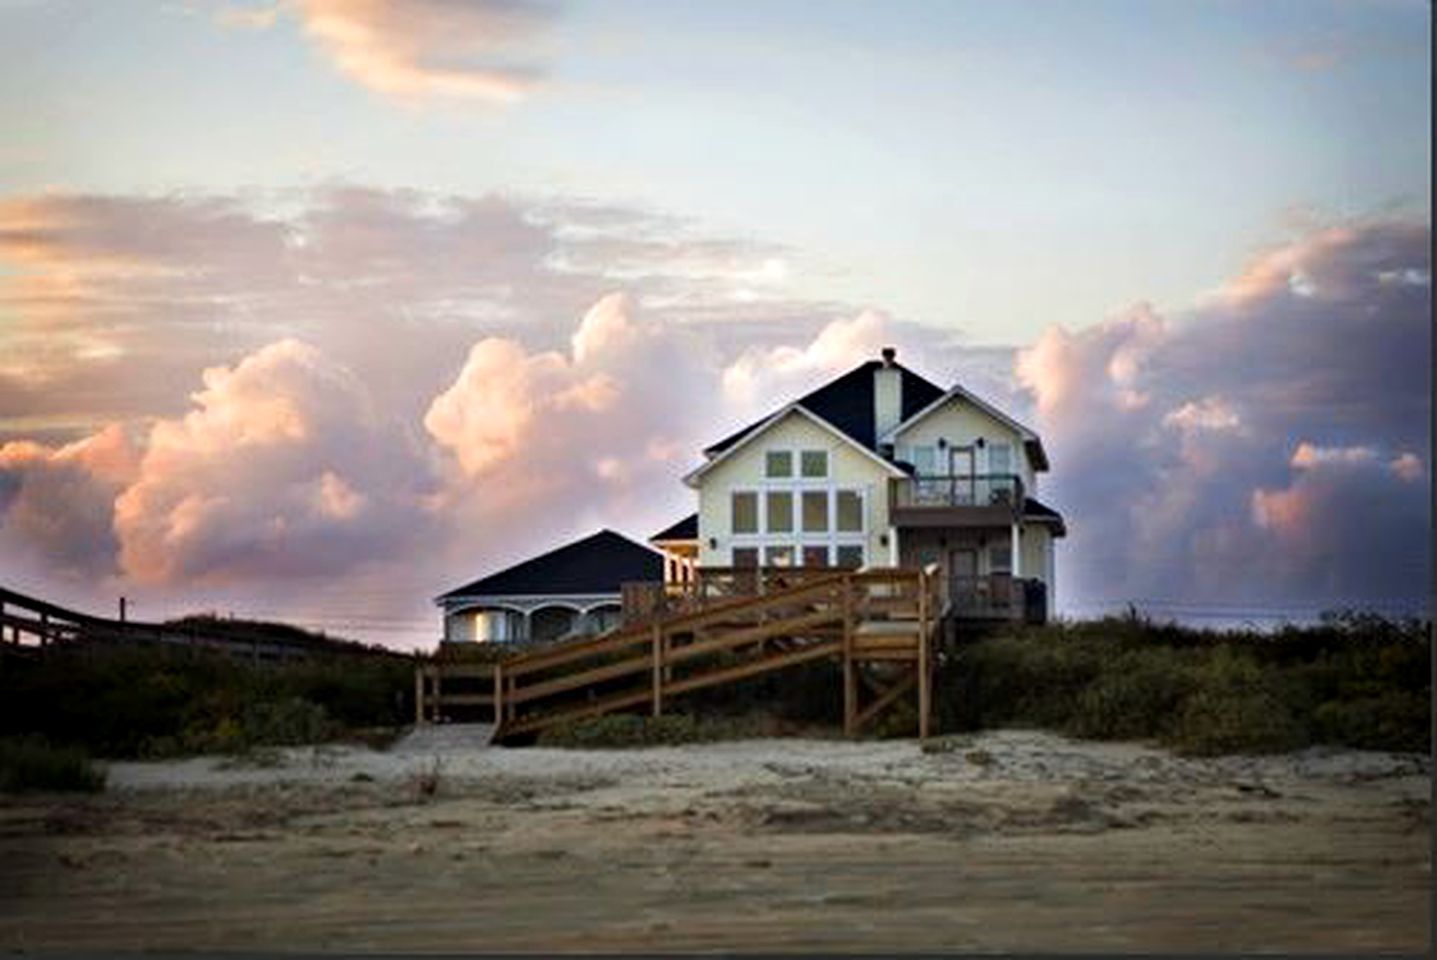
(1010, 840)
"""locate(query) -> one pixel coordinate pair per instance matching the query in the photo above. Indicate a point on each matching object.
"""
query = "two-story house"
(878, 467)
(881, 467)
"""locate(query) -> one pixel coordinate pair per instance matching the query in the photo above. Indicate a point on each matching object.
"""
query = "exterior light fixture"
(981, 442)
(713, 543)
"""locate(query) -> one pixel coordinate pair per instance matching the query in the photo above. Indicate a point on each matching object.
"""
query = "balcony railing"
(965, 490)
(999, 596)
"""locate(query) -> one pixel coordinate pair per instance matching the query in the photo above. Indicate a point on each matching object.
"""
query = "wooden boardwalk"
(880, 624)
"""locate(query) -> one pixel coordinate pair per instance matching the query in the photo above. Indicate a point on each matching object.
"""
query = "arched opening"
(604, 617)
(484, 625)
(551, 623)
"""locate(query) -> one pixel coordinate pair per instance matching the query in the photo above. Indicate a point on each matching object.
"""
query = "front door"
(962, 577)
(960, 467)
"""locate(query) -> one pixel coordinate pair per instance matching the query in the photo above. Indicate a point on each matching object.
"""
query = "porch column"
(893, 547)
(1017, 551)
(528, 625)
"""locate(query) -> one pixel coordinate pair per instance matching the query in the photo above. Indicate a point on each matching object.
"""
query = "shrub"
(1138, 695)
(1237, 707)
(1398, 720)
(32, 763)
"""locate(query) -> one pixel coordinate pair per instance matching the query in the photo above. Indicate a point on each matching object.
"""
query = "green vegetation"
(156, 702)
(1355, 680)
(32, 764)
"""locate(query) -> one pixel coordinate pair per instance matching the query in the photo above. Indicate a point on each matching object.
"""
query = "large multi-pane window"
(778, 464)
(779, 511)
(1000, 459)
(745, 511)
(815, 511)
(796, 515)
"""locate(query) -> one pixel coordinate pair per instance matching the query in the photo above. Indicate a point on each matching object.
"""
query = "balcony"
(997, 597)
(968, 500)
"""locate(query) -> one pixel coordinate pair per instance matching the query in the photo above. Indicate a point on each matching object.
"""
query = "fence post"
(850, 678)
(924, 693)
(498, 693)
(419, 692)
(658, 657)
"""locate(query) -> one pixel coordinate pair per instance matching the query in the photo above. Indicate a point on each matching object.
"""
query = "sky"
(315, 309)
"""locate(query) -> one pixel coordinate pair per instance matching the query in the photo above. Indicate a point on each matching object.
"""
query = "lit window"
(778, 463)
(850, 511)
(814, 463)
(815, 511)
(780, 556)
(780, 511)
(745, 512)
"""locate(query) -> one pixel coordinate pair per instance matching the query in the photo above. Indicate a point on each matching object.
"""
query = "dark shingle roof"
(596, 564)
(685, 529)
(847, 404)
(1036, 510)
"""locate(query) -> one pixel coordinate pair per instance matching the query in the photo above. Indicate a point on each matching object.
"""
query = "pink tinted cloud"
(417, 49)
(1172, 439)
(282, 468)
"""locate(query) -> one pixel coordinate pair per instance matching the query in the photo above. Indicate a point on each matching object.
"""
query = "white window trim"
(796, 538)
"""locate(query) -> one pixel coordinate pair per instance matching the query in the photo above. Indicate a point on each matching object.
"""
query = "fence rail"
(30, 626)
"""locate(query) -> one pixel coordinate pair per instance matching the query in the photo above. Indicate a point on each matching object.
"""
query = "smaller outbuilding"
(570, 591)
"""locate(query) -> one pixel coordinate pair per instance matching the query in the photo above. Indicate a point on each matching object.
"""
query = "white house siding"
(959, 424)
(1038, 553)
(848, 467)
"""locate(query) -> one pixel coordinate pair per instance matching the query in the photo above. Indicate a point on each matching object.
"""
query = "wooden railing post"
(658, 681)
(498, 693)
(436, 678)
(850, 677)
(924, 691)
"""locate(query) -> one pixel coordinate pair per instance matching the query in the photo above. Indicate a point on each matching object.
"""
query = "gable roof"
(685, 529)
(597, 564)
(846, 404)
(792, 408)
(1029, 437)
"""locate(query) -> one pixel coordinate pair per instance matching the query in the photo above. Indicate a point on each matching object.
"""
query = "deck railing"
(959, 490)
(644, 601)
(997, 596)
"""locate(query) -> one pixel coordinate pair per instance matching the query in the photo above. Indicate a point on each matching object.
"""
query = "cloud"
(282, 469)
(1266, 447)
(416, 49)
(56, 503)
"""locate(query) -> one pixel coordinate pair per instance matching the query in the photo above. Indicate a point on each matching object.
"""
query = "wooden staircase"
(879, 623)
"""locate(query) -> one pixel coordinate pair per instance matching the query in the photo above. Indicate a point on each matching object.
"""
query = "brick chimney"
(887, 394)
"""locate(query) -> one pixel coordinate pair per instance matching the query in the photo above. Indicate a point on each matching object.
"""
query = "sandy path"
(1015, 840)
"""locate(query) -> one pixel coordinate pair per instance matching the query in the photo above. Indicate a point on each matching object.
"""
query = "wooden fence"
(29, 627)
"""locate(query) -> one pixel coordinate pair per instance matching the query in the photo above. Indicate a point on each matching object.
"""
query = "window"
(780, 511)
(814, 463)
(815, 555)
(744, 505)
(815, 511)
(745, 556)
(1000, 557)
(1000, 459)
(778, 463)
(778, 556)
(925, 461)
(850, 511)
(850, 556)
